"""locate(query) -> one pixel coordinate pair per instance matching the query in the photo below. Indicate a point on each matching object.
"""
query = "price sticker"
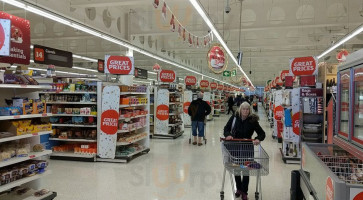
(17, 117)
(35, 133)
(32, 156)
(44, 115)
(23, 86)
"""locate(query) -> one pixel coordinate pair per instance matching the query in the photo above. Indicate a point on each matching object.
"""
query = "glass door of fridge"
(357, 136)
(343, 109)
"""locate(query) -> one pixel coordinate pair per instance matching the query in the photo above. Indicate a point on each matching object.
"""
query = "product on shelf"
(23, 127)
(22, 76)
(72, 109)
(77, 148)
(131, 137)
(139, 88)
(132, 100)
(73, 87)
(70, 98)
(77, 120)
(87, 134)
(127, 113)
(129, 149)
(135, 123)
(23, 106)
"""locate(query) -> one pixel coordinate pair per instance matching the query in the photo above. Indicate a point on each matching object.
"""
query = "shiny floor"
(172, 170)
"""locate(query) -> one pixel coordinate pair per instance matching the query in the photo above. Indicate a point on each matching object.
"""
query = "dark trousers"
(230, 108)
(242, 185)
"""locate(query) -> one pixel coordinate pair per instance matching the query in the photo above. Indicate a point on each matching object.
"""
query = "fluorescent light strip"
(342, 41)
(85, 69)
(152, 72)
(65, 21)
(84, 58)
(143, 82)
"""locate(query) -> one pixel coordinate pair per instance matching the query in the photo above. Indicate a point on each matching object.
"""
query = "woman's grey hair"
(245, 105)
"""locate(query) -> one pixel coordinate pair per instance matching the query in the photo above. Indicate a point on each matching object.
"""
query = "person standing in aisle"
(230, 104)
(238, 100)
(255, 103)
(197, 110)
(242, 126)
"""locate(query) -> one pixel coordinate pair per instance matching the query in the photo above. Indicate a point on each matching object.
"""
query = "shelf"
(23, 136)
(15, 86)
(175, 113)
(75, 125)
(176, 124)
(72, 140)
(128, 143)
(63, 92)
(172, 103)
(28, 196)
(25, 116)
(132, 154)
(73, 103)
(21, 159)
(127, 131)
(133, 117)
(132, 105)
(72, 115)
(23, 181)
(70, 154)
(124, 93)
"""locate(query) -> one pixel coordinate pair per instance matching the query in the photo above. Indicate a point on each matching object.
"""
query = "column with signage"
(189, 81)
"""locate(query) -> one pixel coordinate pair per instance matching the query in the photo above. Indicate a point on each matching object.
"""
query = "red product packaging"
(306, 81)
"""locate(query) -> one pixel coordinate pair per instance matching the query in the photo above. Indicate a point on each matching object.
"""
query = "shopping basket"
(242, 158)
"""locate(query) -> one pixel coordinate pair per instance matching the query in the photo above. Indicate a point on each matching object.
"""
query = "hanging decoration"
(193, 40)
(156, 67)
(217, 59)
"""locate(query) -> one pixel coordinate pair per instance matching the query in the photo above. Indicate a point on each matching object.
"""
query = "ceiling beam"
(113, 3)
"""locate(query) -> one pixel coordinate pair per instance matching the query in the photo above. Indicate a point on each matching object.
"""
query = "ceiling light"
(15, 3)
(86, 30)
(46, 14)
(85, 69)
(150, 72)
(84, 58)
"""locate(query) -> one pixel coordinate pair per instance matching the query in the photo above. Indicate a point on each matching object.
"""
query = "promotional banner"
(101, 66)
(156, 67)
(190, 80)
(120, 65)
(49, 56)
(213, 86)
(217, 59)
(5, 31)
(19, 41)
(204, 83)
(304, 66)
(108, 122)
(167, 76)
(188, 97)
(220, 87)
(162, 112)
(140, 73)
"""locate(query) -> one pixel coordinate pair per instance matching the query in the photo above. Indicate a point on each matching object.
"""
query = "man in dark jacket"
(230, 104)
(197, 110)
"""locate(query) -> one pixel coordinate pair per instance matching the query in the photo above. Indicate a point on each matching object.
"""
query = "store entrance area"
(173, 169)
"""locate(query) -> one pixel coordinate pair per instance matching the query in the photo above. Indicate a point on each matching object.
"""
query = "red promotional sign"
(20, 40)
(303, 66)
(156, 67)
(217, 59)
(101, 66)
(213, 86)
(186, 106)
(204, 83)
(296, 123)
(342, 55)
(190, 80)
(121, 65)
(162, 112)
(109, 122)
(5, 32)
(168, 76)
(220, 87)
(329, 189)
(358, 196)
(278, 112)
(283, 74)
(278, 81)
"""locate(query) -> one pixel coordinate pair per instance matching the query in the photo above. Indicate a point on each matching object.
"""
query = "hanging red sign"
(190, 80)
(5, 31)
(186, 106)
(162, 112)
(220, 87)
(329, 189)
(19, 41)
(204, 83)
(109, 122)
(278, 81)
(167, 76)
(213, 86)
(342, 55)
(278, 112)
(121, 65)
(296, 123)
(217, 59)
(101, 66)
(156, 67)
(283, 74)
(304, 66)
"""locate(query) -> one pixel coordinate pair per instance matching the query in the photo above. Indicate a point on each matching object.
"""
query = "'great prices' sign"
(220, 87)
(303, 66)
(109, 122)
(190, 80)
(162, 112)
(5, 26)
(204, 83)
(283, 74)
(213, 86)
(296, 123)
(121, 65)
(185, 107)
(278, 112)
(168, 76)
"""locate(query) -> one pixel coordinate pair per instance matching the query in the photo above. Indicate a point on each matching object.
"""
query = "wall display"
(120, 65)
(5, 31)
(101, 66)
(167, 76)
(20, 40)
(217, 59)
(188, 97)
(49, 56)
(109, 121)
(204, 83)
(304, 66)
(140, 73)
(162, 112)
(190, 80)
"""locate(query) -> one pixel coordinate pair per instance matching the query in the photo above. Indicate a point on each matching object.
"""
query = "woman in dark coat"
(245, 125)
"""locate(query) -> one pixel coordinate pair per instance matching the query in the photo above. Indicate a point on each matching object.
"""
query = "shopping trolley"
(242, 158)
(205, 131)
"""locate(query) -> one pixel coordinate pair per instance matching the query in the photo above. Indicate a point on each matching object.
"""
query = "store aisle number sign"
(213, 86)
(5, 26)
(167, 76)
(49, 56)
(190, 80)
(101, 66)
(204, 83)
(119, 65)
(304, 66)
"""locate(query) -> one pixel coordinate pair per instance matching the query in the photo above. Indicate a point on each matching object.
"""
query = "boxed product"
(8, 111)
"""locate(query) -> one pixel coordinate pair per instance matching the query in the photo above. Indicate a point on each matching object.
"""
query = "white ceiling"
(272, 30)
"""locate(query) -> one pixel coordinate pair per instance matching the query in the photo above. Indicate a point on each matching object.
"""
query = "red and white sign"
(296, 123)
(329, 189)
(204, 83)
(167, 76)
(356, 194)
(213, 86)
(278, 81)
(162, 112)
(283, 74)
(5, 30)
(156, 67)
(121, 65)
(342, 55)
(278, 112)
(190, 80)
(217, 59)
(109, 122)
(185, 107)
(303, 66)
(220, 87)
(19, 40)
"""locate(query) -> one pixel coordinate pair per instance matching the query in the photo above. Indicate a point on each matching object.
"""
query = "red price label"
(17, 117)
(32, 156)
(39, 54)
(35, 134)
(23, 86)
(44, 115)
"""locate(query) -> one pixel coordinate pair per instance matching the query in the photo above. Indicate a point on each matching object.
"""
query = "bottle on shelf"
(287, 149)
(295, 151)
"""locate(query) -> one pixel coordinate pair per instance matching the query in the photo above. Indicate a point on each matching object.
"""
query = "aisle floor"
(172, 170)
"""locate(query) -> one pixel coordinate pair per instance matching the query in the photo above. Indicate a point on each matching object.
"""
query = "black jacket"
(198, 109)
(244, 129)
(230, 101)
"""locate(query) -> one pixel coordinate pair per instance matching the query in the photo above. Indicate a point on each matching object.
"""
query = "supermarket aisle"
(172, 170)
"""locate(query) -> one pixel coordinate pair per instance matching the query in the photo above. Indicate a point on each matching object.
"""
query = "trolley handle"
(236, 140)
